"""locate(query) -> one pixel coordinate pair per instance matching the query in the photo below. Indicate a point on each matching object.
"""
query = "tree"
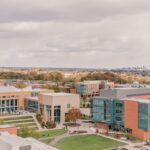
(39, 118)
(50, 124)
(73, 114)
(20, 85)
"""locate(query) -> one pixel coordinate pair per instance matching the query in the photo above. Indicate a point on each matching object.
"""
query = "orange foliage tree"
(73, 114)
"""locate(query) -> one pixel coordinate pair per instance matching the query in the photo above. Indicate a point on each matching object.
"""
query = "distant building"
(13, 142)
(54, 106)
(123, 109)
(92, 88)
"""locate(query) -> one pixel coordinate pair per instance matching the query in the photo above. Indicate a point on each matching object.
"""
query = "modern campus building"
(91, 88)
(14, 142)
(12, 99)
(54, 106)
(123, 109)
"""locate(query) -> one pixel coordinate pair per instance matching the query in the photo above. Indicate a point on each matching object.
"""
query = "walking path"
(57, 138)
(37, 123)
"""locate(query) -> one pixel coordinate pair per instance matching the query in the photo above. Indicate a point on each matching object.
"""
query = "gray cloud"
(68, 33)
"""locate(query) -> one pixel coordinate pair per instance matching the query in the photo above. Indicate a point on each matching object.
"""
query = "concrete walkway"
(37, 123)
(58, 138)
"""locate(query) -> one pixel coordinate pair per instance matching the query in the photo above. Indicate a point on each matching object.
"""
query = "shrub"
(39, 118)
(130, 137)
(50, 124)
(43, 124)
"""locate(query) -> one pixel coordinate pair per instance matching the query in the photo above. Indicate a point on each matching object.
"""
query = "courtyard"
(87, 142)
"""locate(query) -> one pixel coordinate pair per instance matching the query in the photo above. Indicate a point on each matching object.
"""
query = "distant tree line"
(59, 77)
(104, 76)
(51, 76)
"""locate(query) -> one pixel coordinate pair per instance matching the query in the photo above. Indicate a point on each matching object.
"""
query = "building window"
(57, 113)
(68, 105)
(48, 109)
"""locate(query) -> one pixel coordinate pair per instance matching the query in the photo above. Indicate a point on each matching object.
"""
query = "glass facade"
(57, 114)
(31, 105)
(81, 89)
(8, 106)
(119, 112)
(109, 111)
(144, 116)
(102, 110)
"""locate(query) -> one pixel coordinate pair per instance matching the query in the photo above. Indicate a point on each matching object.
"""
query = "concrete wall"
(61, 100)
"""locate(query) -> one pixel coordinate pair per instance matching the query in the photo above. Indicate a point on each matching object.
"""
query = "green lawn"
(28, 124)
(87, 142)
(50, 133)
(17, 121)
(17, 118)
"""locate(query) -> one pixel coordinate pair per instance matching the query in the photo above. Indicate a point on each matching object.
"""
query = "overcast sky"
(75, 33)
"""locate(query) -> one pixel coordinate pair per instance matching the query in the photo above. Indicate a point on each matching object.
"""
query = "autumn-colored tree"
(73, 114)
(20, 85)
(39, 118)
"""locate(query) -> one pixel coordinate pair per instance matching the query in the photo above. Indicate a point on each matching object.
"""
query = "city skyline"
(67, 33)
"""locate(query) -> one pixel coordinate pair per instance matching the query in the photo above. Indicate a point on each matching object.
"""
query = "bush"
(43, 124)
(130, 137)
(50, 124)
(39, 118)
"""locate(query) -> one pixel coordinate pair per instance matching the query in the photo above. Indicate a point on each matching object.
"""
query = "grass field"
(87, 142)
(50, 133)
(18, 121)
(16, 118)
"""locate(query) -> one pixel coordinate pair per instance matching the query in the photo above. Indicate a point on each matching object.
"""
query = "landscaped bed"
(16, 118)
(18, 121)
(87, 142)
(50, 133)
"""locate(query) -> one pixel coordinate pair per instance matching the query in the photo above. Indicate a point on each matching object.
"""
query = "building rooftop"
(40, 146)
(33, 98)
(124, 92)
(141, 100)
(58, 94)
(16, 141)
(90, 82)
(13, 139)
(14, 89)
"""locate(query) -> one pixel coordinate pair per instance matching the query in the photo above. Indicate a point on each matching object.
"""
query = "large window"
(8, 106)
(57, 113)
(143, 116)
(48, 109)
